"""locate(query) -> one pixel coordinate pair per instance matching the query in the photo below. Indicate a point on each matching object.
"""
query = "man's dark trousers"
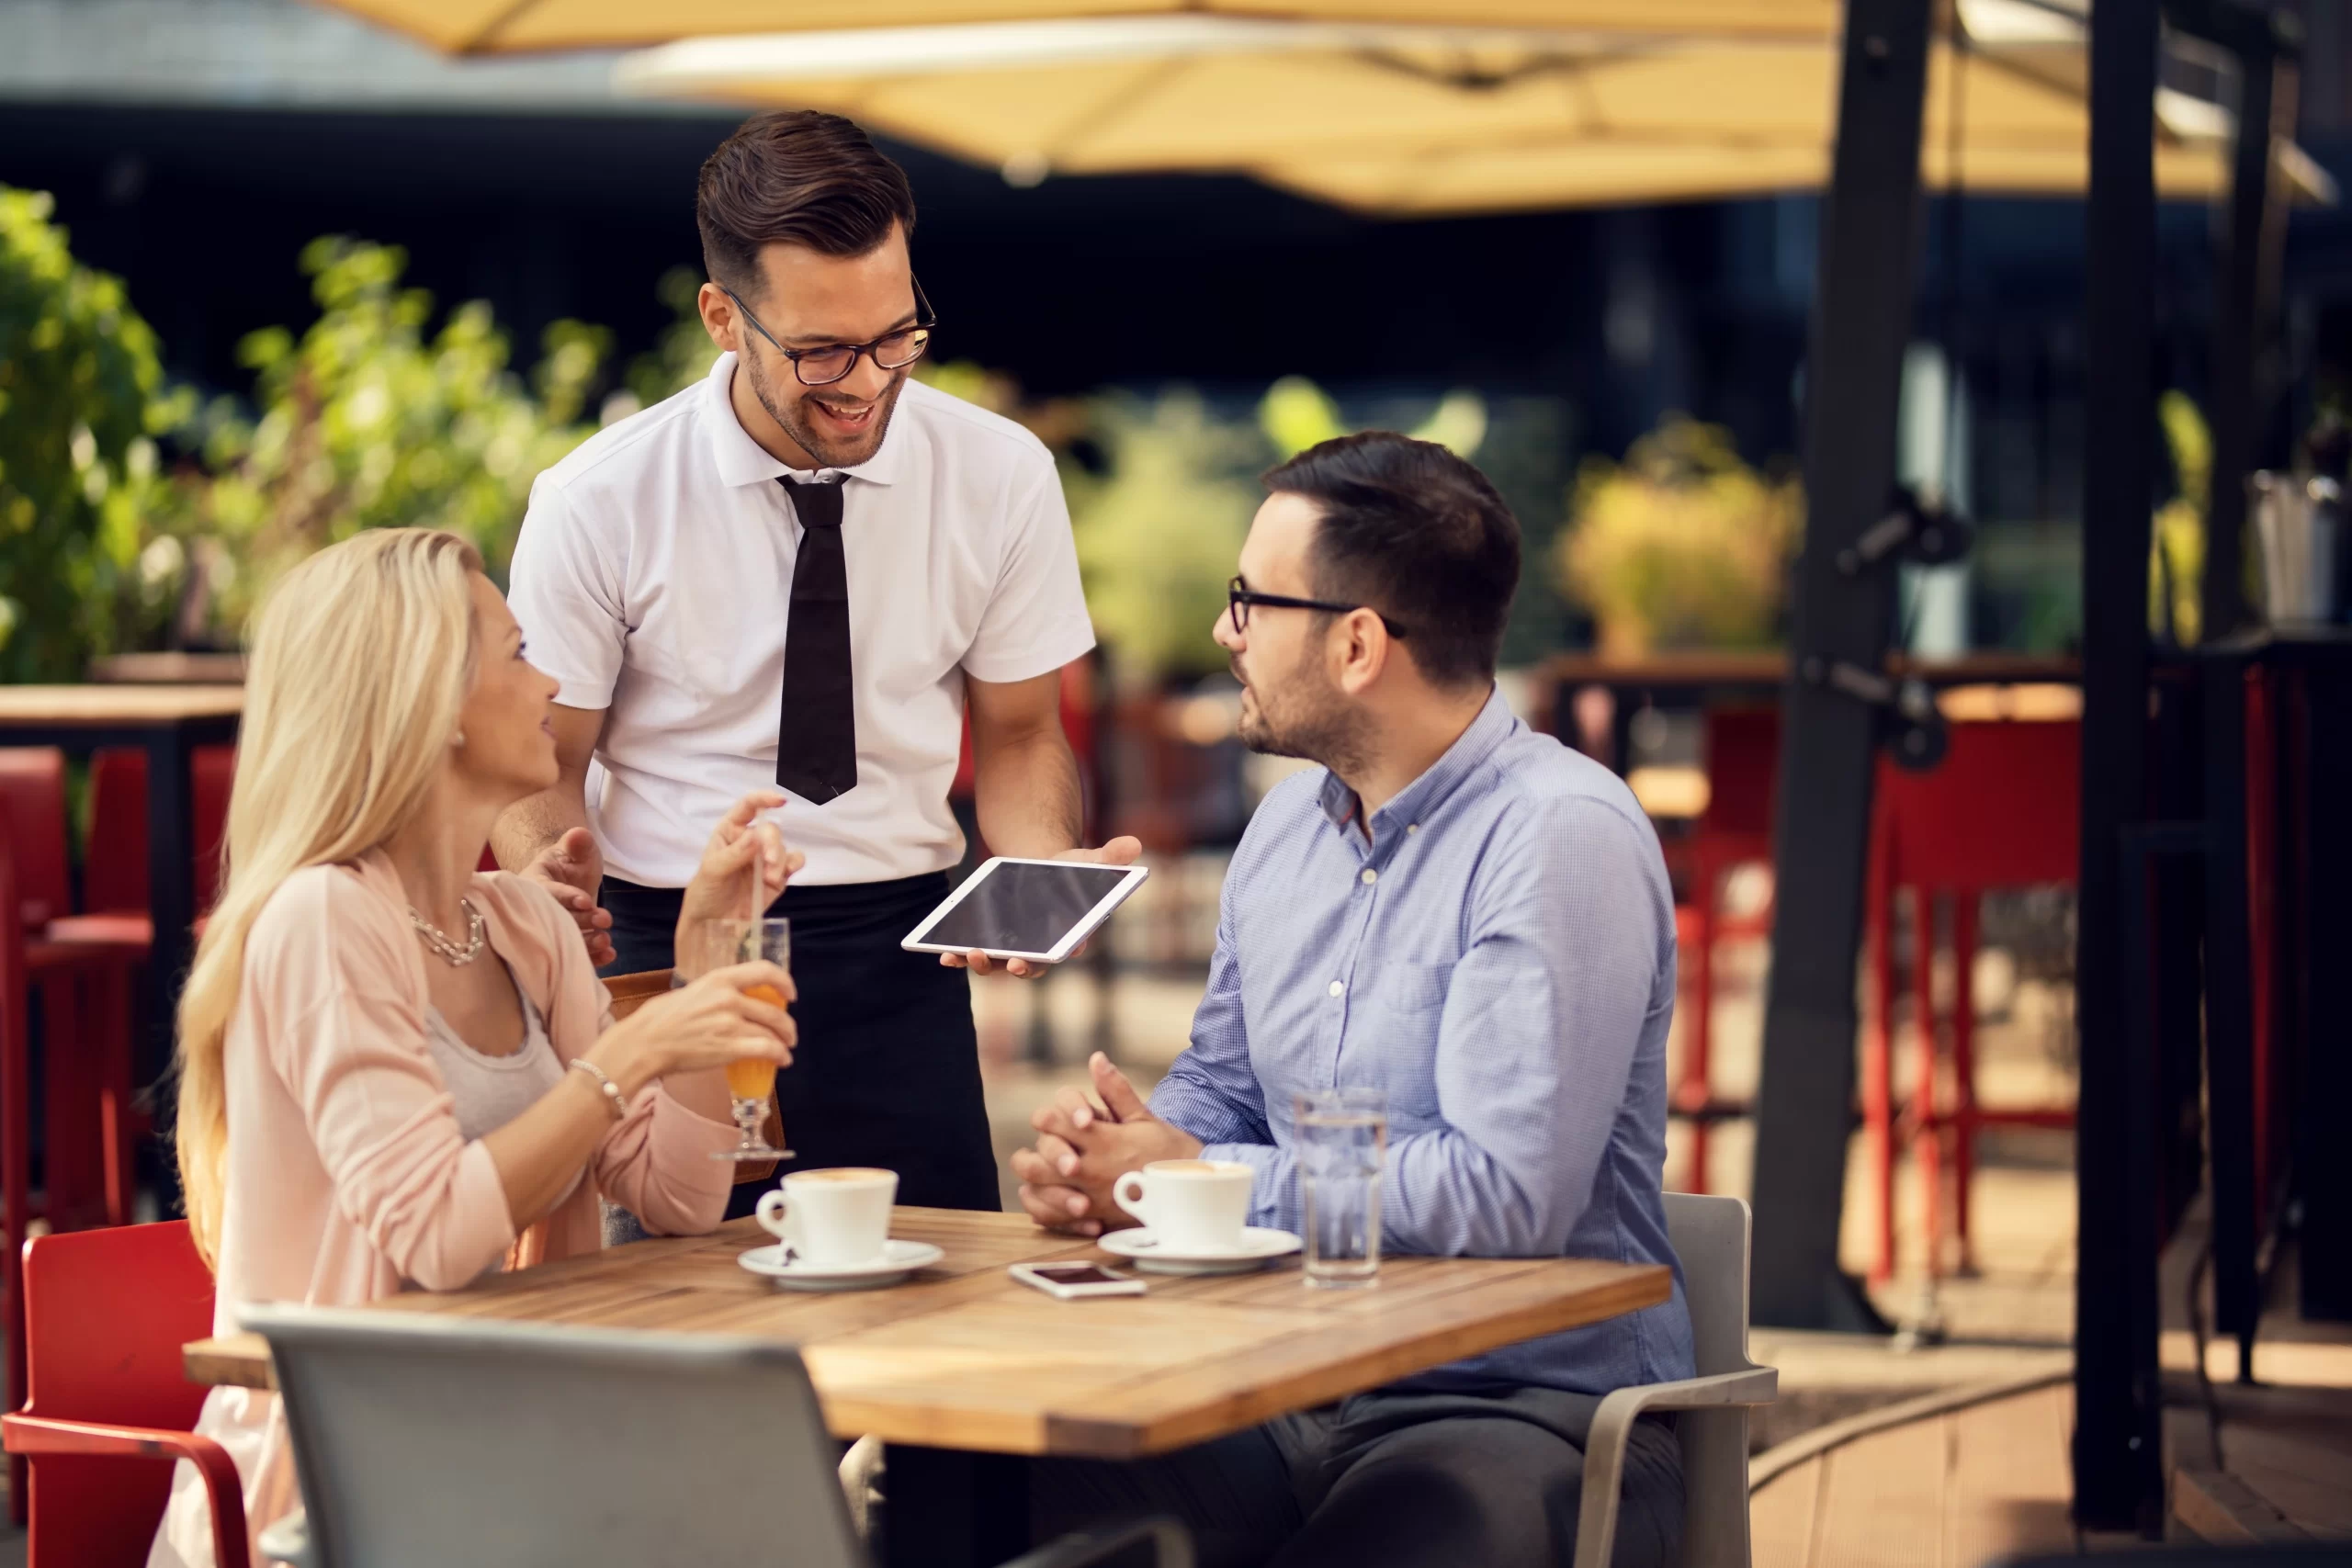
(1393, 1478)
(888, 1071)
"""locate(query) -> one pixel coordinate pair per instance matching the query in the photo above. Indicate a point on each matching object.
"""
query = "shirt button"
(1412, 826)
(1339, 989)
(1370, 876)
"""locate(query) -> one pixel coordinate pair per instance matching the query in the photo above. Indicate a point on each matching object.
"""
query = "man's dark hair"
(1412, 530)
(801, 177)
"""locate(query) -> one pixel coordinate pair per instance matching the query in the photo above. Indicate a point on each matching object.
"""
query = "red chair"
(2001, 811)
(83, 965)
(1743, 767)
(114, 874)
(111, 1404)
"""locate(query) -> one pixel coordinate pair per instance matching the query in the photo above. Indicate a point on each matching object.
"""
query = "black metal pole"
(2119, 1481)
(1861, 320)
(2237, 385)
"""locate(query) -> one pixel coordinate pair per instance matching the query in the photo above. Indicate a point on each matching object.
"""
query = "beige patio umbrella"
(477, 26)
(1407, 118)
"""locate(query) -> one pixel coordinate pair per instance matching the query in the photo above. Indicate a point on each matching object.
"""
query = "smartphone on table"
(1075, 1281)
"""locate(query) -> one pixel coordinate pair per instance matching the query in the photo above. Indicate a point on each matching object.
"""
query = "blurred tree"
(1295, 414)
(1682, 545)
(79, 404)
(2176, 553)
(1527, 453)
(368, 419)
(682, 355)
(1159, 528)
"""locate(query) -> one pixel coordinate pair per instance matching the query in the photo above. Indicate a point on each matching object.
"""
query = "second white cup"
(1191, 1205)
(837, 1217)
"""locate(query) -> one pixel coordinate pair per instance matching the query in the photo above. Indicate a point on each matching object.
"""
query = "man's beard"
(829, 453)
(1312, 724)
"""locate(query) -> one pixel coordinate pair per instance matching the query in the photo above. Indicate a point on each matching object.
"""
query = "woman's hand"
(744, 866)
(709, 1023)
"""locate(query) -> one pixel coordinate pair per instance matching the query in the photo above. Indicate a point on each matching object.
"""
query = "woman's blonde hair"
(360, 661)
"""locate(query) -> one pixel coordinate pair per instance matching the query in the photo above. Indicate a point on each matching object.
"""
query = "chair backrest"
(105, 1314)
(1743, 770)
(113, 879)
(1711, 1237)
(426, 1439)
(32, 782)
(2003, 809)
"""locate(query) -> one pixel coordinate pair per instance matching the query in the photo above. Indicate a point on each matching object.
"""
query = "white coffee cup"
(1191, 1205)
(836, 1217)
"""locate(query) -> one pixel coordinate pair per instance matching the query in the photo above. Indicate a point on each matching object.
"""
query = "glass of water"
(1342, 1136)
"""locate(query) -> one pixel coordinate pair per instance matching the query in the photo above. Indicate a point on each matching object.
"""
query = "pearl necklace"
(441, 943)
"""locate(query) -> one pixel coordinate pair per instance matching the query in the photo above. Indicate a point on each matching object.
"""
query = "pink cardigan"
(347, 1179)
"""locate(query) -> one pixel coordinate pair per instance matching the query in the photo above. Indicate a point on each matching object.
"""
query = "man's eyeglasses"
(1239, 597)
(823, 366)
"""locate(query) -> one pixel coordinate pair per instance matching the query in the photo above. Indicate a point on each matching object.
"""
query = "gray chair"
(1711, 1237)
(458, 1442)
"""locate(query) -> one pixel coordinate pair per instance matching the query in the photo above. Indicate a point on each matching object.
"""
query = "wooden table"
(167, 722)
(964, 1373)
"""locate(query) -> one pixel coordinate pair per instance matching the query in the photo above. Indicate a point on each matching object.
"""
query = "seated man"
(1472, 919)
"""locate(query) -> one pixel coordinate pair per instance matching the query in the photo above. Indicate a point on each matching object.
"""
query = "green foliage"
(79, 406)
(1682, 545)
(1295, 414)
(682, 355)
(2177, 550)
(1159, 533)
(370, 420)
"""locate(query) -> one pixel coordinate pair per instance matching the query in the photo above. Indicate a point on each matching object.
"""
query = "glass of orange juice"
(751, 1081)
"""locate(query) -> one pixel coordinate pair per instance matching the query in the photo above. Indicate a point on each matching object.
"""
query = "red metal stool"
(1743, 767)
(2002, 810)
(111, 1405)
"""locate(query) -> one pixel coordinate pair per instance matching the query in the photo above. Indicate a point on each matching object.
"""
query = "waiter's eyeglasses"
(823, 366)
(1239, 597)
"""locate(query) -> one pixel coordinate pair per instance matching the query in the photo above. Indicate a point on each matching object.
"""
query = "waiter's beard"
(830, 451)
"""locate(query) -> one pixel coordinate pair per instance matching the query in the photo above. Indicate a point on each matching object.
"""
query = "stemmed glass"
(751, 1081)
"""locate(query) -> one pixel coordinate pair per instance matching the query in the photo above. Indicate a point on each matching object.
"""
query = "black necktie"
(816, 742)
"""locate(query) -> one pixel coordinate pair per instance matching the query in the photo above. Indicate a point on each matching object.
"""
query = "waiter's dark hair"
(801, 177)
(1412, 530)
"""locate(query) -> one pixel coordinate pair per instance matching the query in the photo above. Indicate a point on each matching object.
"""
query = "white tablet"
(1026, 908)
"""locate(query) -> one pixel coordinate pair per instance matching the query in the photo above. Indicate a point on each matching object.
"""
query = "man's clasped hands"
(1082, 1148)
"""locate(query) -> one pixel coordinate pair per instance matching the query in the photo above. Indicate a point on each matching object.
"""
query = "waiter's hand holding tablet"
(1023, 913)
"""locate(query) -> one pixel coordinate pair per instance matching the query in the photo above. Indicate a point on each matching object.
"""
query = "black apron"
(888, 1071)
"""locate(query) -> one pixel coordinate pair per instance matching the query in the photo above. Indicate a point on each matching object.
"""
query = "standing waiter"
(795, 576)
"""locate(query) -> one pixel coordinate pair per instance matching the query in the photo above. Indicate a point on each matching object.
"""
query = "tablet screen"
(1022, 908)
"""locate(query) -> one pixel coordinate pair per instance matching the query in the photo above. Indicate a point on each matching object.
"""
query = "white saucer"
(898, 1259)
(1142, 1247)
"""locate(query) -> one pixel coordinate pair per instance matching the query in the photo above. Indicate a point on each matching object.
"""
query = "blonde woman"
(396, 1072)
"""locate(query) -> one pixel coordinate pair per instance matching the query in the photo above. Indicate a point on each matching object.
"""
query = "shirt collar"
(744, 461)
(1424, 795)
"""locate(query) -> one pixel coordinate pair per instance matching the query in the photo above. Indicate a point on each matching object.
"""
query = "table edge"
(241, 1360)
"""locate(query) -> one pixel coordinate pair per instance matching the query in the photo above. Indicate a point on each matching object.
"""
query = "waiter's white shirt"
(653, 576)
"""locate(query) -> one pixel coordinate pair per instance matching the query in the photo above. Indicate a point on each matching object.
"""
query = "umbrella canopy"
(480, 26)
(1398, 118)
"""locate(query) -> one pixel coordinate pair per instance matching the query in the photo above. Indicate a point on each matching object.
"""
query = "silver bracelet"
(612, 1090)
